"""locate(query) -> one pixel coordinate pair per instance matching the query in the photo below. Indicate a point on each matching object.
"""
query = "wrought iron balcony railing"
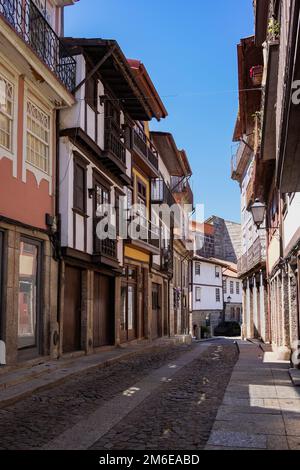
(161, 193)
(30, 24)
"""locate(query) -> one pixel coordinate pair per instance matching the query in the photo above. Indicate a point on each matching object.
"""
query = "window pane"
(131, 319)
(38, 129)
(27, 295)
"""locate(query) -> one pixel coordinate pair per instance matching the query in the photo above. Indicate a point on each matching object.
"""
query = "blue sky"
(189, 49)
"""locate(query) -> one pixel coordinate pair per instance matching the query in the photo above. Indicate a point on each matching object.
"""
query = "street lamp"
(258, 210)
(225, 305)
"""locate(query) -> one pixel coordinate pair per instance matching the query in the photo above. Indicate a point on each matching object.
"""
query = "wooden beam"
(94, 70)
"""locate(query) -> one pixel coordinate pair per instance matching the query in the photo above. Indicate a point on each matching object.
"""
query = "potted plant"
(256, 74)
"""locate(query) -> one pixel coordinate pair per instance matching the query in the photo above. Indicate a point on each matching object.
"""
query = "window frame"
(217, 272)
(237, 288)
(198, 298)
(231, 287)
(28, 100)
(9, 117)
(79, 162)
(39, 300)
(218, 295)
(197, 265)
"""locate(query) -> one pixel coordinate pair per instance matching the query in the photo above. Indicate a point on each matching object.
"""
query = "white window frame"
(10, 117)
(32, 94)
(10, 75)
(218, 295)
(197, 265)
(37, 137)
(198, 294)
(237, 288)
(217, 272)
(231, 287)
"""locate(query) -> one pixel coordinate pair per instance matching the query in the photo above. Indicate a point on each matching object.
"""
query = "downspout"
(58, 233)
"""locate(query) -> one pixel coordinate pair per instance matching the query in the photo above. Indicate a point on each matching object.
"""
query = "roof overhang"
(147, 85)
(175, 160)
(116, 74)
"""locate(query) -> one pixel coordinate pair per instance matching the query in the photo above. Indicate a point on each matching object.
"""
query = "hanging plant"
(273, 28)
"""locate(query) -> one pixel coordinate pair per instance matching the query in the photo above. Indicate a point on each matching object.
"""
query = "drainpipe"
(56, 338)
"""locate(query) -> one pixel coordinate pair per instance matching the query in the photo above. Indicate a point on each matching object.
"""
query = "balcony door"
(105, 246)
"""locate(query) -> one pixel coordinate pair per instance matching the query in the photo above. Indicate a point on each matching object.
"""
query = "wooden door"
(103, 324)
(155, 310)
(72, 310)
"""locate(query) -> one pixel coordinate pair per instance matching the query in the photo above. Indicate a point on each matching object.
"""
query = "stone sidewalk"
(261, 407)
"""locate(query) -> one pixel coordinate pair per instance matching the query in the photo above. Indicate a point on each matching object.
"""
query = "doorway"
(103, 318)
(72, 310)
(128, 320)
(155, 326)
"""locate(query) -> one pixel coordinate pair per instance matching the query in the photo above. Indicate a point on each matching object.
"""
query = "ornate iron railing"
(107, 248)
(30, 24)
(161, 193)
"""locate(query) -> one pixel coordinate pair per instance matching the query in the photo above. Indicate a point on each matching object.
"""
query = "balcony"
(181, 187)
(28, 22)
(161, 193)
(241, 158)
(250, 195)
(255, 256)
(144, 234)
(105, 252)
(144, 148)
(115, 146)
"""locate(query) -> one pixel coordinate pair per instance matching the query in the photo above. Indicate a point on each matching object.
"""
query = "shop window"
(29, 278)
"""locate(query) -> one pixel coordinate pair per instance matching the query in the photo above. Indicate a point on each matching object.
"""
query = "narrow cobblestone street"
(178, 411)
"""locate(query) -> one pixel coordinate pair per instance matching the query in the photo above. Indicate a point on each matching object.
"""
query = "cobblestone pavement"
(192, 398)
(180, 414)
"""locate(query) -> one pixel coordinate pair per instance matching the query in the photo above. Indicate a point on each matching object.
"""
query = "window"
(28, 294)
(198, 294)
(91, 88)
(218, 296)
(225, 286)
(38, 137)
(198, 269)
(79, 185)
(217, 271)
(237, 288)
(231, 287)
(142, 202)
(6, 113)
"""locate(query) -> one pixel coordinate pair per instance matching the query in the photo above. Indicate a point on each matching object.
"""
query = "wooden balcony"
(29, 23)
(105, 252)
(145, 150)
(147, 234)
(255, 256)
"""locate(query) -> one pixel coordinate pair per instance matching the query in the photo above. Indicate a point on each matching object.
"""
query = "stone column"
(255, 313)
(248, 311)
